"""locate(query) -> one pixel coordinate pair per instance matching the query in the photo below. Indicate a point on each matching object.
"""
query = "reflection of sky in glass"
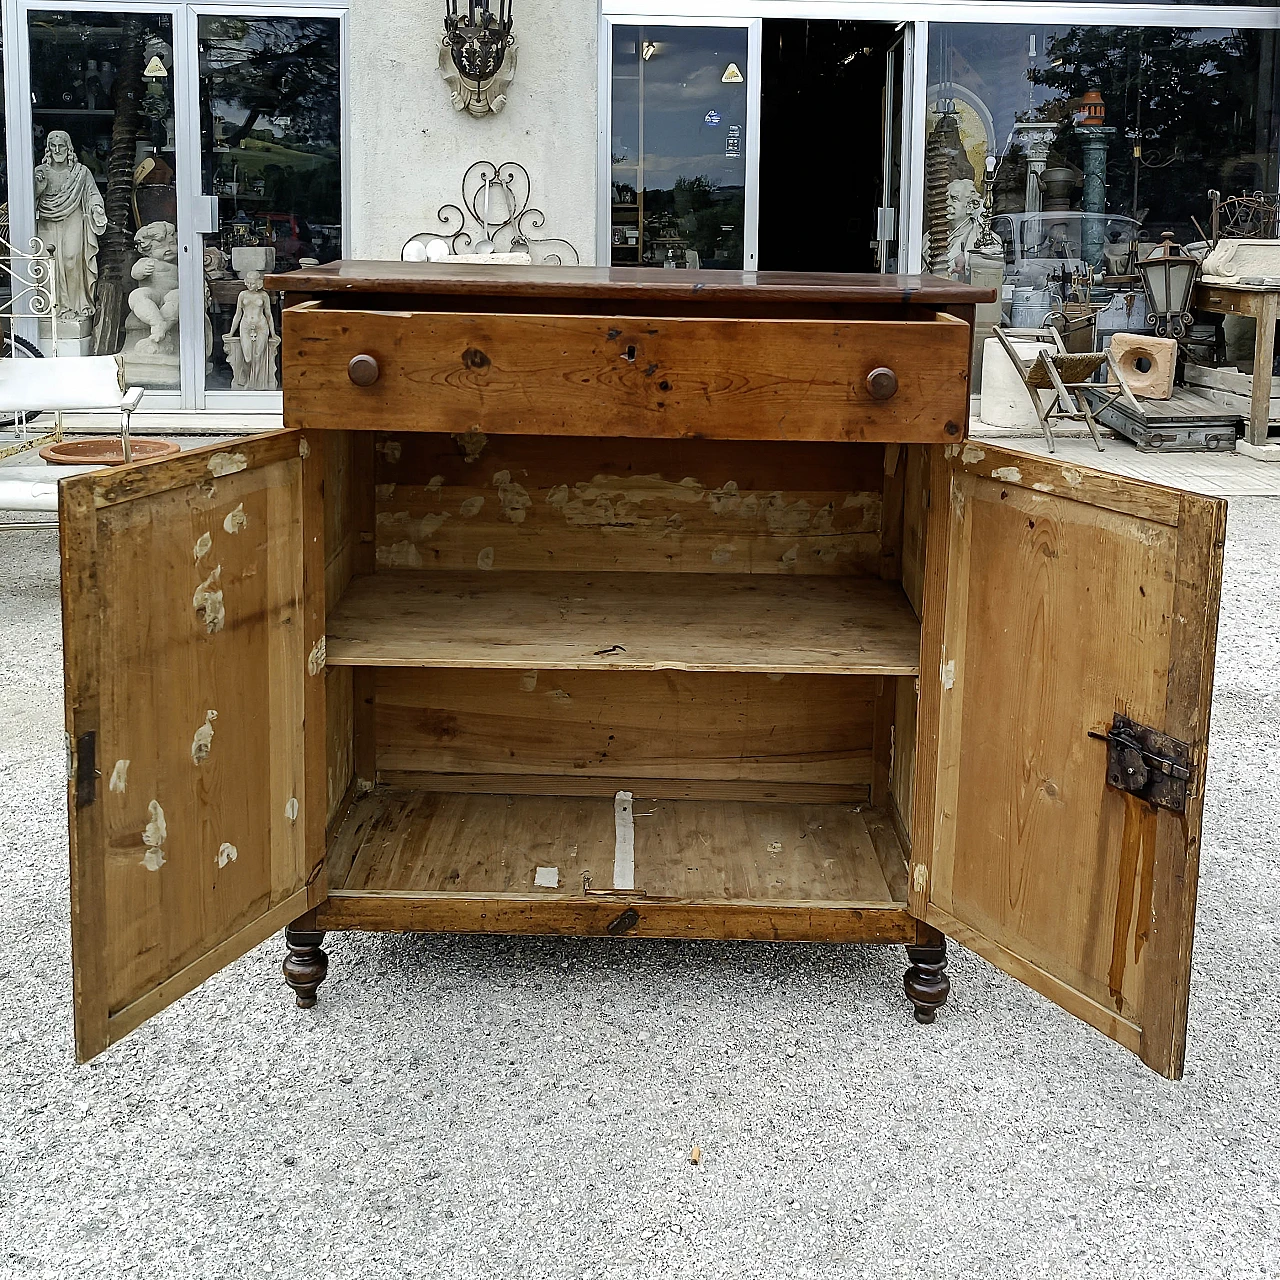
(682, 83)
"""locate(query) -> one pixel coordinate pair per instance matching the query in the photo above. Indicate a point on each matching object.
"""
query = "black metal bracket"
(1147, 763)
(86, 769)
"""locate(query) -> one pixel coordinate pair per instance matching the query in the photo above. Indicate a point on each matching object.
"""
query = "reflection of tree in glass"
(276, 82)
(698, 214)
(1187, 100)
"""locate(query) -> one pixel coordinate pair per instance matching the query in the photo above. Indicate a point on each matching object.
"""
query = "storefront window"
(679, 146)
(270, 128)
(1091, 140)
(105, 185)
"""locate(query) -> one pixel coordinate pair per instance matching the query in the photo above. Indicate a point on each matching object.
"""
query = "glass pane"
(1103, 137)
(679, 146)
(102, 97)
(270, 127)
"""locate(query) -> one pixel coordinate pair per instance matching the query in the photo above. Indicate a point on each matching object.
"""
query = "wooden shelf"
(625, 622)
(400, 840)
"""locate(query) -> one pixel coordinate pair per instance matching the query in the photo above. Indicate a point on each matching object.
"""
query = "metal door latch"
(1147, 763)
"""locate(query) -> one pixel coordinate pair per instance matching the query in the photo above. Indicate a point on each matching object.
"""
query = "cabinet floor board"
(625, 621)
(406, 840)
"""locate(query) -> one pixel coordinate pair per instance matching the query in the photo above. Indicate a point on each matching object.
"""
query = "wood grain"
(621, 285)
(566, 375)
(206, 699)
(1061, 609)
(592, 726)
(625, 622)
(434, 842)
(688, 506)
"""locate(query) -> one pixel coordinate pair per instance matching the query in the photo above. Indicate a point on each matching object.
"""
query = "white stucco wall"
(409, 148)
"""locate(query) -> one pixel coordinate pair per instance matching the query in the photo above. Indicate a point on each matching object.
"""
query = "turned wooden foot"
(926, 982)
(306, 965)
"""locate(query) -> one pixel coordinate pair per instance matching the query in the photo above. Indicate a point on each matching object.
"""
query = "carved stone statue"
(151, 331)
(488, 95)
(251, 343)
(69, 218)
(966, 224)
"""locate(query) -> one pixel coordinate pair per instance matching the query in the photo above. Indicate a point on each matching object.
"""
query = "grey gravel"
(526, 1108)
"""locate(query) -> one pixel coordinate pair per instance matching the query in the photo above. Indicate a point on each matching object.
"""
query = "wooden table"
(1263, 305)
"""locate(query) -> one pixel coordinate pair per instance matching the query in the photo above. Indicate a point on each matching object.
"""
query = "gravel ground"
(492, 1108)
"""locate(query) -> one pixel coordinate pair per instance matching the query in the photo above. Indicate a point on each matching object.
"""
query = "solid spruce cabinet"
(610, 603)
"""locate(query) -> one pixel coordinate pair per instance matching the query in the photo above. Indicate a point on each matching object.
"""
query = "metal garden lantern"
(1168, 277)
(478, 54)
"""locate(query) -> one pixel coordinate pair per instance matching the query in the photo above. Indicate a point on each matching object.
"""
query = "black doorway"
(822, 102)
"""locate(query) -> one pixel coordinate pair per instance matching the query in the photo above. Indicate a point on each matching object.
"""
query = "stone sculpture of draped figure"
(69, 218)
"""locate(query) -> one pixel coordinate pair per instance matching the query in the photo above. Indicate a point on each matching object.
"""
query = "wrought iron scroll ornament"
(31, 282)
(495, 198)
(478, 55)
(1252, 216)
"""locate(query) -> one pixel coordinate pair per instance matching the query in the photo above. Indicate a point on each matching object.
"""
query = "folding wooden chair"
(1065, 373)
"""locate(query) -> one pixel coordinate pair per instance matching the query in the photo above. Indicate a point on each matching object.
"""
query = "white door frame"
(183, 17)
(604, 129)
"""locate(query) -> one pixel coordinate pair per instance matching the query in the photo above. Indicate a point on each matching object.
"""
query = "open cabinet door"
(192, 595)
(1055, 598)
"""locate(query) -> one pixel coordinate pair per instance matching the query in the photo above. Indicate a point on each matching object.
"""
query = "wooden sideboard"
(651, 604)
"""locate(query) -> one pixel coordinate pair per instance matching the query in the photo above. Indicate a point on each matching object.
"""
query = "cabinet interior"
(519, 628)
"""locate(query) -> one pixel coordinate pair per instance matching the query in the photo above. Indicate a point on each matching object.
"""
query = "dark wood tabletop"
(623, 282)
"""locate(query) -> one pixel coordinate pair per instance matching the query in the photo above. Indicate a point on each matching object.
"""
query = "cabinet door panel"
(192, 609)
(1056, 597)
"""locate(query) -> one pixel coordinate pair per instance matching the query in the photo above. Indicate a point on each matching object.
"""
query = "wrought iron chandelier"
(478, 38)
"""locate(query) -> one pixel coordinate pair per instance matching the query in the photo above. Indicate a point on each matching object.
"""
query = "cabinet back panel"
(604, 727)
(688, 506)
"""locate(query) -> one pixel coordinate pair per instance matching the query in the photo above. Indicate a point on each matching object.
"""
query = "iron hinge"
(86, 769)
(1147, 763)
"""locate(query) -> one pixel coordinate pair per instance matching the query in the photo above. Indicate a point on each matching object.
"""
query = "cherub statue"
(155, 301)
(251, 343)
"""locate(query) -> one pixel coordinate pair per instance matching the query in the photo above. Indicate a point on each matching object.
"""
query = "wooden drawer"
(583, 375)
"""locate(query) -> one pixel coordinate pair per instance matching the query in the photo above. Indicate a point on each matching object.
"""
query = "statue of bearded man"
(69, 218)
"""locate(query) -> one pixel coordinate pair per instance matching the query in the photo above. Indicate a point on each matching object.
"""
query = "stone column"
(1093, 142)
(1037, 137)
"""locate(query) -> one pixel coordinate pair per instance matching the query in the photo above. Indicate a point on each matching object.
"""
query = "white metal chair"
(70, 384)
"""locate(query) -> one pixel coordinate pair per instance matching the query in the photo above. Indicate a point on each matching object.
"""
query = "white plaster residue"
(638, 489)
(399, 555)
(919, 877)
(775, 676)
(315, 659)
(390, 450)
(485, 559)
(1073, 477)
(774, 847)
(119, 777)
(236, 519)
(973, 453)
(784, 517)
(725, 500)
(948, 673)
(824, 518)
(547, 877)
(203, 543)
(951, 450)
(721, 555)
(1011, 474)
(826, 554)
(401, 522)
(227, 464)
(304, 449)
(227, 853)
(529, 681)
(384, 492)
(154, 834)
(559, 695)
(1041, 487)
(789, 557)
(291, 808)
(207, 602)
(514, 497)
(471, 507)
(473, 443)
(203, 739)
(433, 485)
(624, 842)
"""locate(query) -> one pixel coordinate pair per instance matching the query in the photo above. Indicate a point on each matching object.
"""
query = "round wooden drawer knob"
(882, 383)
(363, 370)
